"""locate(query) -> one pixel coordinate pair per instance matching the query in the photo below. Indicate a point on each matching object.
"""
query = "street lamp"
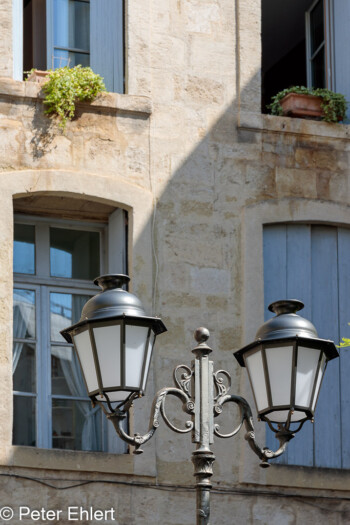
(114, 340)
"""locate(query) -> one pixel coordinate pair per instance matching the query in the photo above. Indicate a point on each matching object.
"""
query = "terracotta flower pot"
(302, 106)
(38, 76)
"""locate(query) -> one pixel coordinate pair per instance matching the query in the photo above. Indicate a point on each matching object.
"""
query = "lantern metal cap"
(113, 300)
(112, 303)
(286, 323)
(287, 327)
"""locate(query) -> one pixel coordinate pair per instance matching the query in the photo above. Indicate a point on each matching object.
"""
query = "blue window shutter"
(49, 34)
(17, 39)
(315, 268)
(344, 319)
(325, 318)
(341, 43)
(107, 42)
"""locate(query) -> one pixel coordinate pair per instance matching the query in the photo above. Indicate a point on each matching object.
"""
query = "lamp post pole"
(196, 388)
(203, 432)
(114, 341)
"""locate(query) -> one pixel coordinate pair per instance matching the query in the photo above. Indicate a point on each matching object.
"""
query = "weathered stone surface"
(187, 153)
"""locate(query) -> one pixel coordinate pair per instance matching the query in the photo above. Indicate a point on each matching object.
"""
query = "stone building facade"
(199, 170)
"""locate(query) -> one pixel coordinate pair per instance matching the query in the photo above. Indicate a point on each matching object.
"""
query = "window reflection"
(24, 249)
(66, 374)
(76, 425)
(24, 421)
(74, 254)
(23, 313)
(24, 367)
(65, 309)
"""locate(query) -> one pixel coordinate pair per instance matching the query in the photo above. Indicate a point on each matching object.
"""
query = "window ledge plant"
(327, 105)
(65, 87)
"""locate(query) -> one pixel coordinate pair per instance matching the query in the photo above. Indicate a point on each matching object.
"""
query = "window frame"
(309, 55)
(43, 284)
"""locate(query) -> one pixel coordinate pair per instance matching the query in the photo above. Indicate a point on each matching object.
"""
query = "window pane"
(76, 425)
(24, 421)
(63, 58)
(65, 309)
(74, 253)
(60, 58)
(72, 24)
(79, 31)
(318, 70)
(24, 249)
(79, 58)
(66, 373)
(23, 313)
(24, 367)
(316, 22)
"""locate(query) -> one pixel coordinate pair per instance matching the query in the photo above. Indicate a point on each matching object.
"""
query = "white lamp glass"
(279, 363)
(148, 359)
(82, 344)
(281, 416)
(319, 380)
(107, 340)
(135, 346)
(305, 377)
(255, 367)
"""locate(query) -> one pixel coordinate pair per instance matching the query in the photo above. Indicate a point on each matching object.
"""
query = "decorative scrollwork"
(117, 415)
(219, 383)
(185, 379)
(283, 435)
(182, 396)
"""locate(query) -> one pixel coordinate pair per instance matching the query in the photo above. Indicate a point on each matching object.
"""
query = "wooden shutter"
(340, 12)
(107, 42)
(312, 263)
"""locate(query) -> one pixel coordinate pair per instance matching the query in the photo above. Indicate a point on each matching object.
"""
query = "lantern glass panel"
(254, 364)
(148, 359)
(319, 380)
(107, 340)
(135, 345)
(116, 396)
(306, 372)
(279, 363)
(83, 346)
(281, 416)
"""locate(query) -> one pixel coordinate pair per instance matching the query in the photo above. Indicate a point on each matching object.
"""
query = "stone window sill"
(76, 461)
(295, 126)
(114, 102)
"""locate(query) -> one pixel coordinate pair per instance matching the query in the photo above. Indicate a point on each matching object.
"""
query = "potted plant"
(37, 75)
(303, 102)
(64, 87)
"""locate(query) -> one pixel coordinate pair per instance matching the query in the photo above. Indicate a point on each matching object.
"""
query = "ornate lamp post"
(114, 340)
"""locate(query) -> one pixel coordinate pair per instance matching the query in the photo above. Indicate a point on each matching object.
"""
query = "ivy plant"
(333, 104)
(67, 86)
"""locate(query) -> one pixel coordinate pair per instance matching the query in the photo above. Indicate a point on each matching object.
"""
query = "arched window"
(54, 262)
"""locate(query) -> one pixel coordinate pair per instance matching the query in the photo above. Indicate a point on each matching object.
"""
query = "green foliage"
(345, 342)
(333, 104)
(67, 86)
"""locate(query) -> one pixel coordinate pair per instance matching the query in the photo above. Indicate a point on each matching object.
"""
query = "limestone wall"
(188, 154)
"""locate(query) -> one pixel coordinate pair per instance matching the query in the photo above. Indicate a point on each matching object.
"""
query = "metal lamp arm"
(117, 416)
(265, 454)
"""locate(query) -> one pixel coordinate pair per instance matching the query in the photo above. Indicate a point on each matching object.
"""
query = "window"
(54, 264)
(296, 45)
(58, 33)
(311, 263)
